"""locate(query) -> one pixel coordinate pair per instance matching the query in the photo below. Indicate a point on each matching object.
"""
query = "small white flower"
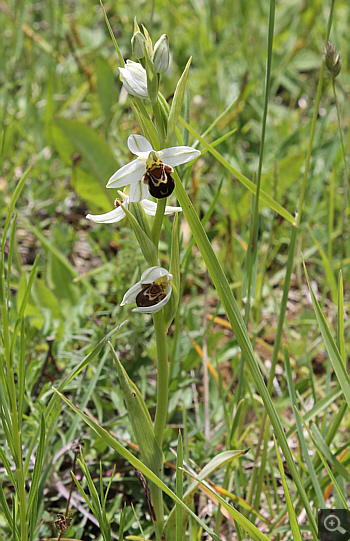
(118, 213)
(152, 292)
(151, 167)
(134, 79)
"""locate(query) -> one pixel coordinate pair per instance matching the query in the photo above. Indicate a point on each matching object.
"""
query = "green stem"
(314, 119)
(341, 137)
(254, 231)
(161, 410)
(159, 122)
(158, 221)
(162, 376)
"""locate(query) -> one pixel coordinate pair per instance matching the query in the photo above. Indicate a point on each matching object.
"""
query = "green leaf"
(33, 493)
(330, 280)
(177, 103)
(96, 157)
(341, 342)
(140, 420)
(42, 301)
(13, 201)
(171, 307)
(179, 488)
(52, 249)
(6, 510)
(214, 464)
(148, 249)
(319, 407)
(293, 398)
(105, 85)
(235, 318)
(325, 450)
(264, 197)
(135, 462)
(112, 35)
(60, 281)
(250, 266)
(146, 126)
(87, 360)
(333, 352)
(85, 397)
(324, 462)
(24, 304)
(252, 530)
(292, 518)
(152, 78)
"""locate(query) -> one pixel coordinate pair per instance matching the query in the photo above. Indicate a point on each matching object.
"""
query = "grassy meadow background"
(65, 115)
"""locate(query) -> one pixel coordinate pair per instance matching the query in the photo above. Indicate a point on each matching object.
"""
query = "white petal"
(152, 273)
(171, 210)
(150, 207)
(131, 294)
(129, 173)
(138, 143)
(109, 218)
(134, 89)
(177, 155)
(134, 79)
(138, 191)
(156, 307)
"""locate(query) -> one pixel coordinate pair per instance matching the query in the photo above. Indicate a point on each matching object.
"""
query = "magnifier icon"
(332, 524)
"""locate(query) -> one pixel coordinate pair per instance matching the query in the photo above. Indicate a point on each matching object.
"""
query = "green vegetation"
(243, 433)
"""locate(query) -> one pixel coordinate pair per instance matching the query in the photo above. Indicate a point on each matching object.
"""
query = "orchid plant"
(153, 174)
(148, 181)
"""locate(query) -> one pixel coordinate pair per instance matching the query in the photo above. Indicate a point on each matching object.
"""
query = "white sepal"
(111, 217)
(134, 79)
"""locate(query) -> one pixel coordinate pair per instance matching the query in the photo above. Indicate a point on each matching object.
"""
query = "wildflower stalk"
(158, 221)
(314, 119)
(255, 225)
(162, 376)
(161, 410)
(159, 122)
(254, 232)
(341, 137)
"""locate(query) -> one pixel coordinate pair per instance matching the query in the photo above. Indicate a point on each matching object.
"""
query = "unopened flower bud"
(138, 43)
(332, 59)
(161, 54)
(148, 41)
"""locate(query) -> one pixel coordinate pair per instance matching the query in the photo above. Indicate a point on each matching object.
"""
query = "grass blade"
(179, 487)
(333, 352)
(135, 462)
(292, 518)
(235, 318)
(293, 399)
(264, 197)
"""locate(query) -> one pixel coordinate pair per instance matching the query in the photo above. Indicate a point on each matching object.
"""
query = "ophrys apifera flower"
(152, 292)
(151, 170)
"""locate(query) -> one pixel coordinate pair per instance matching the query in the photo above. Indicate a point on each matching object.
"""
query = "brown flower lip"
(159, 180)
(150, 295)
